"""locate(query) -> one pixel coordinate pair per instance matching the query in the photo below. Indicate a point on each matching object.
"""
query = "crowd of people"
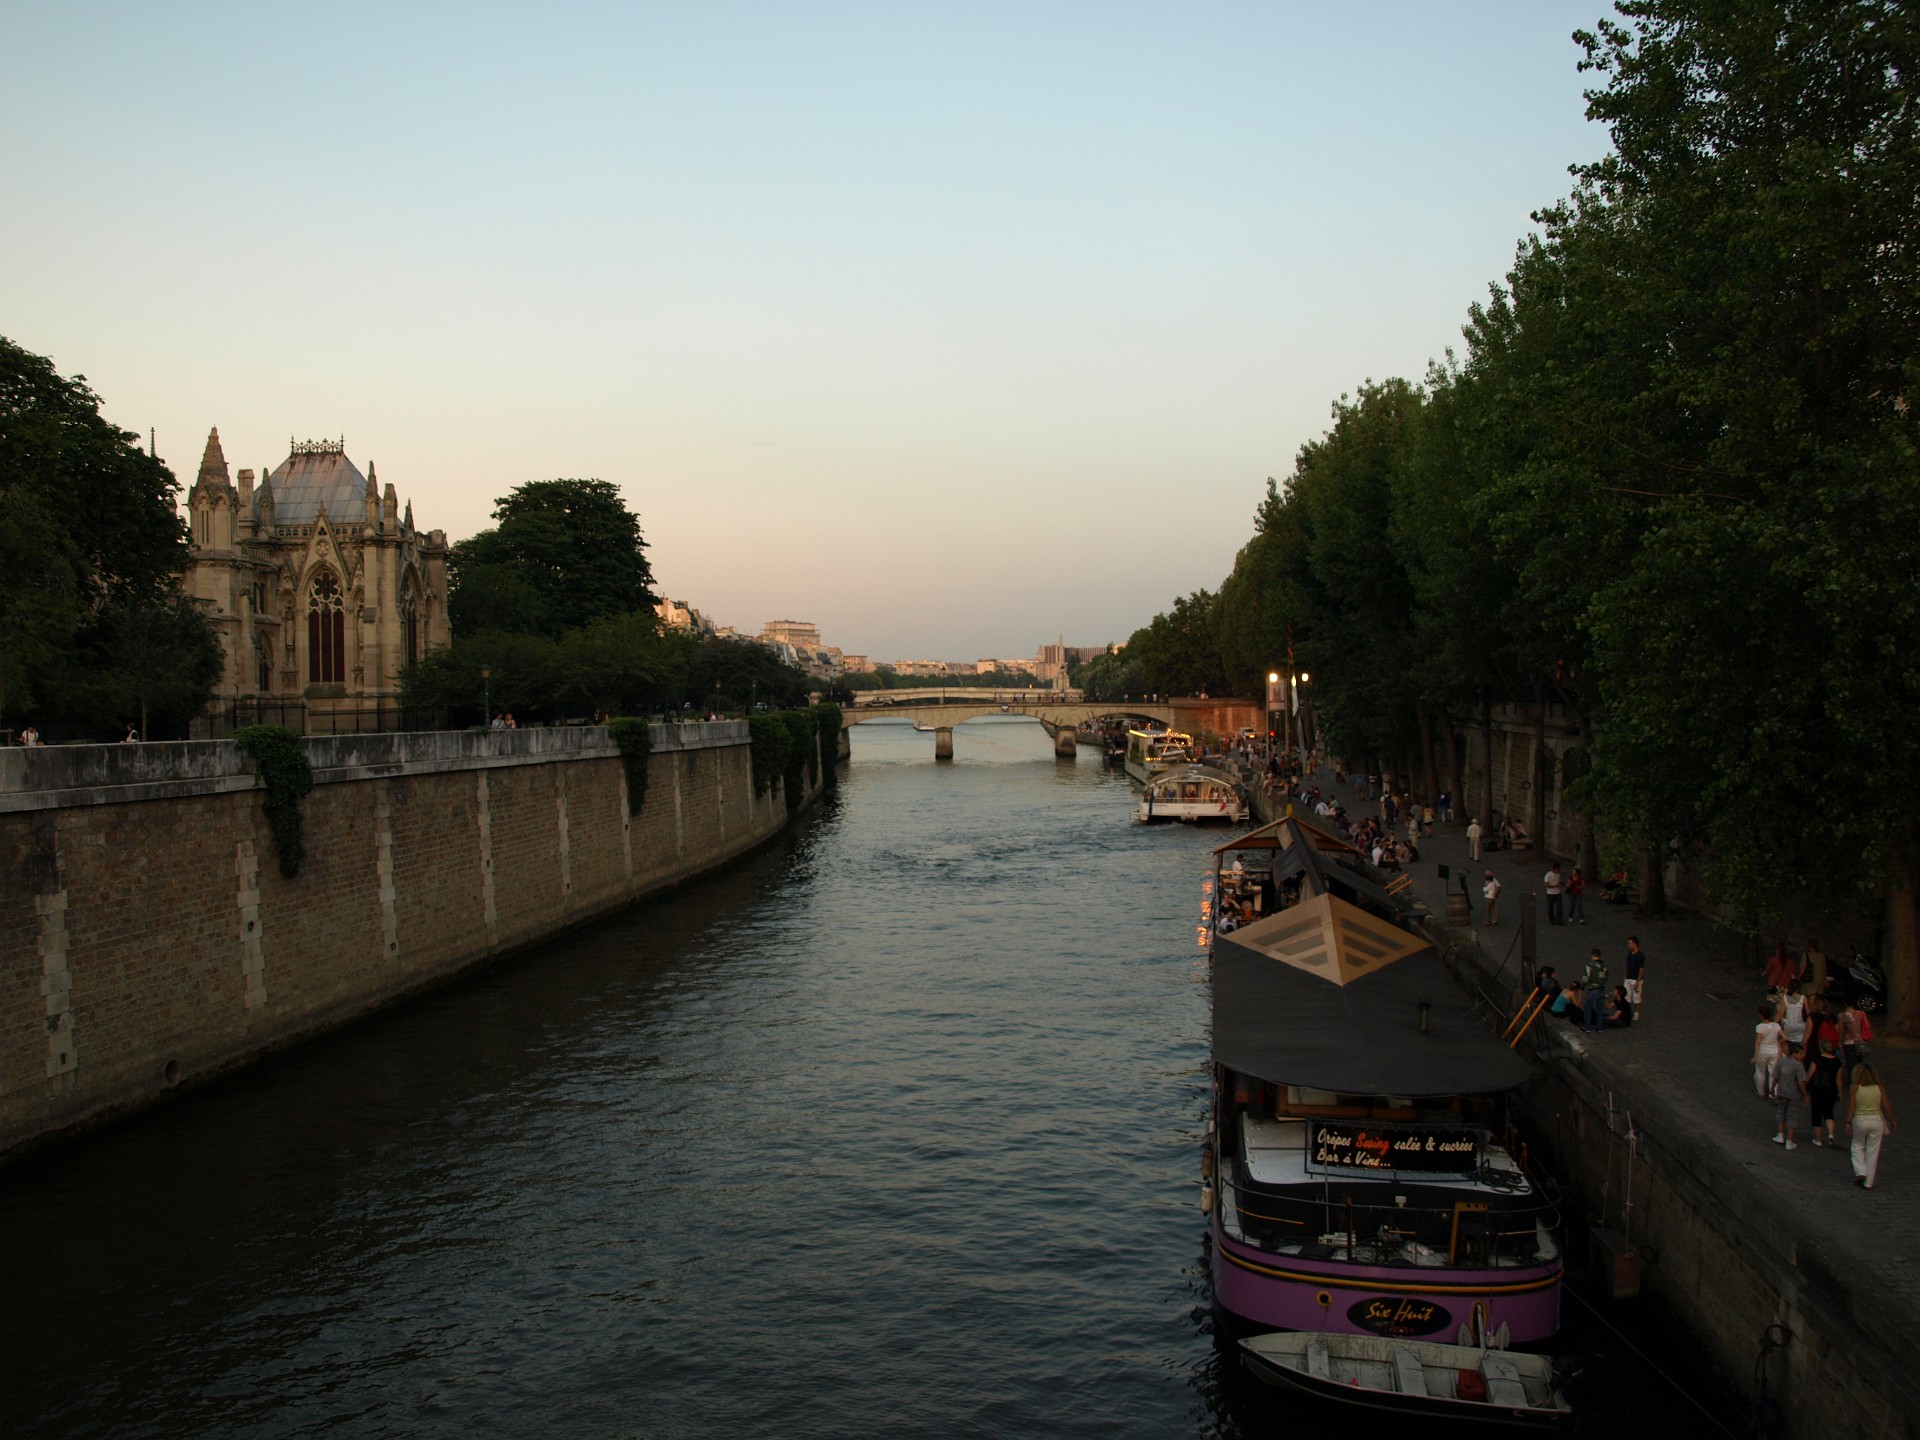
(1810, 1058)
(1811, 1041)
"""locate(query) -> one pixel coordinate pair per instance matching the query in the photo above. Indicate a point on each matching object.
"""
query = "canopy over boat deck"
(1333, 991)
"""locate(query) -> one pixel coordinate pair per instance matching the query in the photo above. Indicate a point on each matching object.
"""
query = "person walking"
(1636, 972)
(1789, 1093)
(1593, 979)
(1473, 838)
(1823, 1091)
(1813, 978)
(1793, 1017)
(1576, 898)
(1855, 1031)
(1491, 890)
(1869, 1122)
(1766, 1052)
(1555, 884)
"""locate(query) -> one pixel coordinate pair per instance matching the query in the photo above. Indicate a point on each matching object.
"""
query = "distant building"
(320, 587)
(798, 633)
(854, 664)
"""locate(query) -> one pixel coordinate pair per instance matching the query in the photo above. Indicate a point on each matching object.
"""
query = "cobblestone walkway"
(1692, 1048)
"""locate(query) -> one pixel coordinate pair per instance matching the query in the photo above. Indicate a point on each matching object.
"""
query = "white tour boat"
(1192, 793)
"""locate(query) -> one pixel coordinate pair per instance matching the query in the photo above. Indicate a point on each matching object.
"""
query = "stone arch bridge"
(1061, 713)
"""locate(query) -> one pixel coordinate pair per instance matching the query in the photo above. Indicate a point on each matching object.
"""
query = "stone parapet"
(58, 777)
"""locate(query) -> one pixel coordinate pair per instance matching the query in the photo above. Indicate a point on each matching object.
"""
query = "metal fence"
(316, 719)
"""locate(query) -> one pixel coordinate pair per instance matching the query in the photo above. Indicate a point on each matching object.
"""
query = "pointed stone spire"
(263, 498)
(213, 464)
(389, 508)
(407, 524)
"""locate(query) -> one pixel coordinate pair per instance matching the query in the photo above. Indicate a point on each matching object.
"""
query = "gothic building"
(321, 588)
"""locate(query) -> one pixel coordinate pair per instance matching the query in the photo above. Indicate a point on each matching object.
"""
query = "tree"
(564, 554)
(1768, 157)
(91, 547)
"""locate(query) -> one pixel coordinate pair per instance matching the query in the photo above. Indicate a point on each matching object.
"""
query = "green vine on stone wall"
(826, 720)
(801, 756)
(280, 760)
(634, 740)
(769, 741)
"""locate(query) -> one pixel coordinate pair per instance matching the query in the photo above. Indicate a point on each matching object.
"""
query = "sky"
(950, 328)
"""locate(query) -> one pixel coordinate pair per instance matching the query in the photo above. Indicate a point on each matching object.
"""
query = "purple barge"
(1363, 1175)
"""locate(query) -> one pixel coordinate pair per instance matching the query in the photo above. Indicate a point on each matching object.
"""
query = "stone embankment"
(148, 938)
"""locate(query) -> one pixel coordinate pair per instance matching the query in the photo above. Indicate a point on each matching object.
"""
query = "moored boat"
(1364, 1176)
(1413, 1377)
(1151, 751)
(1192, 793)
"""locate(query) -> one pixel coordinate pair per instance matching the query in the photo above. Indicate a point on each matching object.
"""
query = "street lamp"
(1273, 704)
(486, 696)
(1300, 680)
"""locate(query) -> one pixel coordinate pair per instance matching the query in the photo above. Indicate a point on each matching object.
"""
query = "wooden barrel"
(1459, 911)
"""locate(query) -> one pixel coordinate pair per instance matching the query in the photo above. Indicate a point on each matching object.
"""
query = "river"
(891, 1129)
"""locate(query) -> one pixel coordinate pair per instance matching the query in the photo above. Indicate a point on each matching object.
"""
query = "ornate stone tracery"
(283, 568)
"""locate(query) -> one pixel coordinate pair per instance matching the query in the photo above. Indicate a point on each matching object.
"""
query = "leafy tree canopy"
(91, 547)
(565, 553)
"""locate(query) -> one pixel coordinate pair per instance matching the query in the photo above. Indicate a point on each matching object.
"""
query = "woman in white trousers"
(1869, 1121)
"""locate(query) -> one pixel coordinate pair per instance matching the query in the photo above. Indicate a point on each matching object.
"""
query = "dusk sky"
(950, 328)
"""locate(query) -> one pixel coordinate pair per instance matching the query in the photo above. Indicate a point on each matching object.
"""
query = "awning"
(1327, 996)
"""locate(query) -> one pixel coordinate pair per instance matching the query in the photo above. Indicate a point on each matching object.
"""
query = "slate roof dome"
(317, 473)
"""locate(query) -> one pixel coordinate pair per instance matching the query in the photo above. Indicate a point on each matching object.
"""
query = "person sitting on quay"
(1571, 1003)
(1619, 889)
(1619, 1009)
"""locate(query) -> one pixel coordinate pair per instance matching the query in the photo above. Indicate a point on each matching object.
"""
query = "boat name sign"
(1400, 1317)
(1384, 1147)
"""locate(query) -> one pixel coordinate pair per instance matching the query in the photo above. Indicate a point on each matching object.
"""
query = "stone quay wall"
(149, 940)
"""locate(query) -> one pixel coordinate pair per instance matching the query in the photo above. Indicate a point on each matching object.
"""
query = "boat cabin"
(1192, 793)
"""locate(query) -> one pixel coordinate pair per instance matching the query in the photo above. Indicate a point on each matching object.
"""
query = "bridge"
(1061, 712)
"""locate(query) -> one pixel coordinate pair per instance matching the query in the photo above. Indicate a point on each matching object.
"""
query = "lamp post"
(1300, 680)
(1273, 703)
(486, 697)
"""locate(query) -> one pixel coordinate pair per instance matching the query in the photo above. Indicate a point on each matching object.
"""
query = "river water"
(892, 1129)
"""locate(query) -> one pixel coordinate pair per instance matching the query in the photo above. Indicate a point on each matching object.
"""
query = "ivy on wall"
(280, 761)
(634, 740)
(769, 740)
(826, 720)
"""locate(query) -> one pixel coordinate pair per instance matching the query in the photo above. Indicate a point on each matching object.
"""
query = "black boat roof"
(1330, 994)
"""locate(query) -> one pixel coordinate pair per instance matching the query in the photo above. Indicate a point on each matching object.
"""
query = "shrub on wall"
(280, 760)
(802, 759)
(826, 721)
(634, 740)
(768, 741)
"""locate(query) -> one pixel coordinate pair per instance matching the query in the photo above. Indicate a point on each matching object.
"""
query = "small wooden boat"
(1413, 1377)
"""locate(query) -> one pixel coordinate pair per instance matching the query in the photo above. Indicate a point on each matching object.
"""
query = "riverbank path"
(1690, 1057)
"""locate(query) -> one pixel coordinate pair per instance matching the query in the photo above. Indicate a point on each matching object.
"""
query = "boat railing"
(1482, 1228)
